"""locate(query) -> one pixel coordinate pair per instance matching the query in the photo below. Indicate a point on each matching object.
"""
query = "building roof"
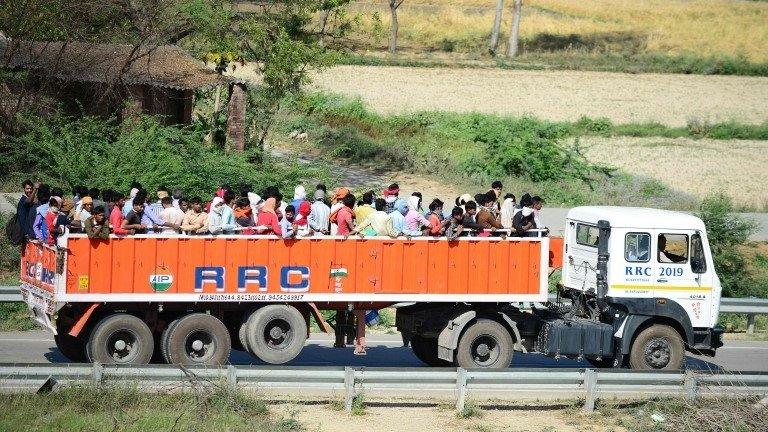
(636, 217)
(163, 66)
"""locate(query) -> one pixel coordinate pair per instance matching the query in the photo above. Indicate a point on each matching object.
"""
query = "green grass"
(575, 60)
(15, 317)
(472, 149)
(88, 409)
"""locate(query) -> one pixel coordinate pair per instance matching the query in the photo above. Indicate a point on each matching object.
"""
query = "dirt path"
(554, 95)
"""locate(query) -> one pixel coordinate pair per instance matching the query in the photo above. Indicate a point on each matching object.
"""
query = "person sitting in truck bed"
(320, 213)
(172, 216)
(455, 224)
(133, 221)
(220, 218)
(486, 215)
(375, 224)
(414, 220)
(437, 222)
(287, 223)
(268, 218)
(345, 218)
(195, 219)
(507, 211)
(116, 217)
(523, 220)
(470, 221)
(97, 226)
(396, 220)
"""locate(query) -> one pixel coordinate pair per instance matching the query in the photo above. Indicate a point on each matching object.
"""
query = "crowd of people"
(44, 213)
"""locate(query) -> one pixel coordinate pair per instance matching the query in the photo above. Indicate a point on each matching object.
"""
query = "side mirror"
(697, 266)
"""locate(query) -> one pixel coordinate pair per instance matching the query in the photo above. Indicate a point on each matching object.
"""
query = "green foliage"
(68, 152)
(726, 232)
(470, 410)
(358, 405)
(10, 255)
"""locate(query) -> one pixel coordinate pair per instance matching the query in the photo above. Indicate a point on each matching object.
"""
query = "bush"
(106, 154)
(10, 255)
(726, 232)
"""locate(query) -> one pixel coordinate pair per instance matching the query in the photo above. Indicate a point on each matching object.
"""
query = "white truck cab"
(652, 271)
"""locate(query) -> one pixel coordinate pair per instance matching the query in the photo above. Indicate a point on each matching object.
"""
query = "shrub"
(106, 154)
(726, 232)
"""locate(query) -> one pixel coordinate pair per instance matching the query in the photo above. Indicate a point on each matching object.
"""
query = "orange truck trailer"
(191, 299)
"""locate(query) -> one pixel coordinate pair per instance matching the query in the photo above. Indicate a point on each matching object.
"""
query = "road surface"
(384, 351)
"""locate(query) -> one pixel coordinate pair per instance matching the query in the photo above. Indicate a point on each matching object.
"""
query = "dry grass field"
(697, 167)
(674, 27)
(672, 100)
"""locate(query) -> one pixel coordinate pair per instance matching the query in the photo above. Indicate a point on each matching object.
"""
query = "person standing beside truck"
(96, 225)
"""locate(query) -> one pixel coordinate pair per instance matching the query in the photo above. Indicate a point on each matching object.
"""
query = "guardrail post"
(97, 373)
(349, 388)
(461, 388)
(750, 323)
(691, 386)
(232, 377)
(590, 385)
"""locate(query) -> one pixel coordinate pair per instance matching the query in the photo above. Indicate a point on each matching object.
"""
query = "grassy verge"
(568, 60)
(88, 409)
(472, 149)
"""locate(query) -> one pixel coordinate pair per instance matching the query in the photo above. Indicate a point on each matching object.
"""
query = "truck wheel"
(657, 347)
(198, 339)
(485, 344)
(120, 339)
(164, 340)
(241, 335)
(276, 333)
(73, 348)
(425, 350)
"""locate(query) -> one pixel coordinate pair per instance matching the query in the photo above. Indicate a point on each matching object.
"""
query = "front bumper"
(706, 341)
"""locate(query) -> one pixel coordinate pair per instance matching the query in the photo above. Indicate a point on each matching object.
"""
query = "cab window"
(587, 235)
(673, 248)
(637, 247)
(698, 261)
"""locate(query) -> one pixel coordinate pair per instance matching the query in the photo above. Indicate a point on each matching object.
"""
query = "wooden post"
(514, 33)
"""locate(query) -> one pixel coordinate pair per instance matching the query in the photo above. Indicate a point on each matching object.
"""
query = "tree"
(514, 33)
(393, 5)
(496, 27)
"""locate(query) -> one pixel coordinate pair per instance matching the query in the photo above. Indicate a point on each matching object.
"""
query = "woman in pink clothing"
(268, 218)
(414, 220)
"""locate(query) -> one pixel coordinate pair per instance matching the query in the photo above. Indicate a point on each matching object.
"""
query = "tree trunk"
(323, 23)
(496, 27)
(514, 33)
(393, 35)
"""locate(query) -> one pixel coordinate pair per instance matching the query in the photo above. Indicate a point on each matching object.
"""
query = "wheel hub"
(276, 332)
(483, 350)
(200, 346)
(657, 353)
(197, 345)
(120, 345)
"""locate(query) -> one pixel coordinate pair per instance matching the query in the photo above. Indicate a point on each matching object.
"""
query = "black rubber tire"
(658, 347)
(204, 328)
(120, 327)
(491, 334)
(241, 338)
(280, 348)
(425, 349)
(164, 341)
(73, 348)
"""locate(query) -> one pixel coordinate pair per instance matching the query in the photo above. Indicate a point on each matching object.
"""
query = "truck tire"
(198, 339)
(276, 333)
(164, 340)
(425, 349)
(73, 348)
(485, 344)
(658, 347)
(241, 335)
(120, 339)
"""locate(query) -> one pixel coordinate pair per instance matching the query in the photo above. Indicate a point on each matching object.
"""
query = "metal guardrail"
(463, 384)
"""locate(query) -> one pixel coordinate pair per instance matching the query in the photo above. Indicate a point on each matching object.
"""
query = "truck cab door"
(682, 274)
(581, 257)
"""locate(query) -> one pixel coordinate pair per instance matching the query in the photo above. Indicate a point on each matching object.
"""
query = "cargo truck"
(638, 289)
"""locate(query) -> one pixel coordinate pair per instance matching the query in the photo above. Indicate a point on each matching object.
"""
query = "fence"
(748, 306)
(462, 384)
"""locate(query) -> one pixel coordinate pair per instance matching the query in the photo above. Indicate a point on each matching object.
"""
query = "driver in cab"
(666, 256)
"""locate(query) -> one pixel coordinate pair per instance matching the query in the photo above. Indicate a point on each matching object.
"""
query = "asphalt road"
(384, 351)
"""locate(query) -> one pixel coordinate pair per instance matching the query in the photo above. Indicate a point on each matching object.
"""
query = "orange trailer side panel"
(256, 268)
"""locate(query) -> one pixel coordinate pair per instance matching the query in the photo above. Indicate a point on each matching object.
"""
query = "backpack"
(13, 230)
